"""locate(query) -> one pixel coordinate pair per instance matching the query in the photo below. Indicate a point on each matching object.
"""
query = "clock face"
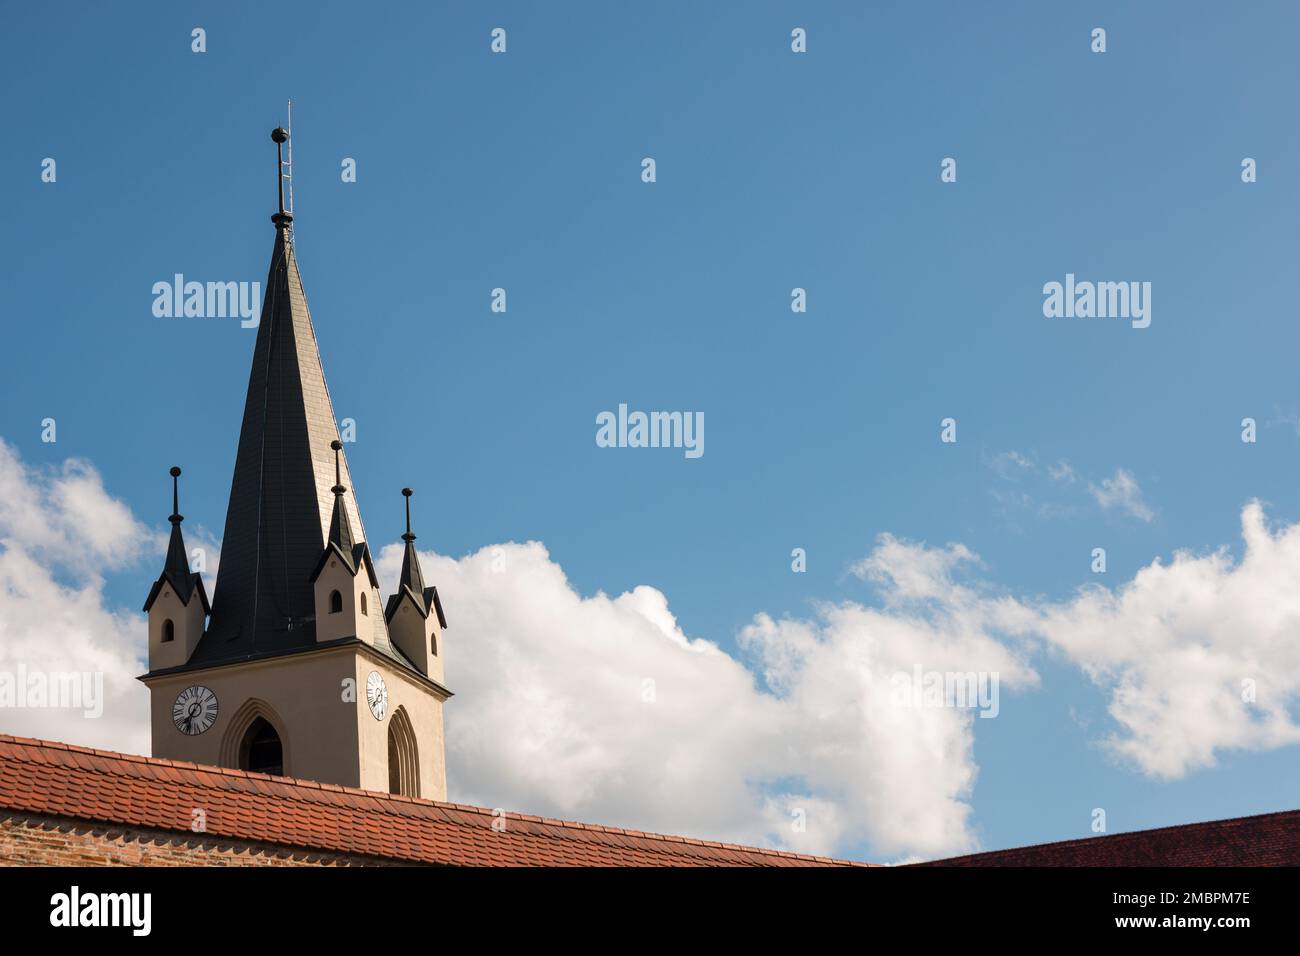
(195, 710)
(376, 695)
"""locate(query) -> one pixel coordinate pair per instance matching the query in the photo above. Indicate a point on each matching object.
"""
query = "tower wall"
(425, 713)
(304, 692)
(187, 628)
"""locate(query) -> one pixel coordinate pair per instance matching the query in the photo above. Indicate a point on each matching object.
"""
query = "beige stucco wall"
(425, 713)
(187, 621)
(417, 635)
(325, 737)
(304, 691)
(349, 622)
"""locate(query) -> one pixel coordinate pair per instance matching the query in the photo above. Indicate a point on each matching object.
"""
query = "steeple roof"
(282, 504)
(340, 534)
(411, 582)
(176, 568)
(354, 554)
(411, 576)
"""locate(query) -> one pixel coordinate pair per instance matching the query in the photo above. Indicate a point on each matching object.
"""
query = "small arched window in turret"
(363, 602)
(336, 602)
(168, 631)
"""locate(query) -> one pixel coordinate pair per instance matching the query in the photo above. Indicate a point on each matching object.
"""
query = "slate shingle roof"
(282, 501)
(60, 780)
(281, 497)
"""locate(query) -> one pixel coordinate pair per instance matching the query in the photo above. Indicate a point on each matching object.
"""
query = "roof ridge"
(1125, 835)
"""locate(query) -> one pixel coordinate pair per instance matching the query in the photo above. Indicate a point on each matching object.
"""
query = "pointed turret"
(411, 576)
(414, 614)
(177, 602)
(340, 534)
(343, 595)
(177, 566)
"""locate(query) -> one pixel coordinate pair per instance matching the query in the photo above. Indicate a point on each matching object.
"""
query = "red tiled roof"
(54, 779)
(1270, 839)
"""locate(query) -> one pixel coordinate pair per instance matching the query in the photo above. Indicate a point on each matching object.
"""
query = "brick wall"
(30, 840)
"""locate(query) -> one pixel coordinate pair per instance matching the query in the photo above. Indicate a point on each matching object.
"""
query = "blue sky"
(775, 171)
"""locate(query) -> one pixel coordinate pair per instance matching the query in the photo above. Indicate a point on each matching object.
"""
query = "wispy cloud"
(1062, 471)
(1120, 492)
(1052, 491)
(1010, 464)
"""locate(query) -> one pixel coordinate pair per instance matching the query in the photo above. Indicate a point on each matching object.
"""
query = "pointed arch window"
(237, 745)
(363, 602)
(403, 756)
(336, 602)
(168, 631)
(261, 751)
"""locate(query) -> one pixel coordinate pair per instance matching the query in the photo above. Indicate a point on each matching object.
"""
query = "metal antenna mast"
(289, 159)
(286, 166)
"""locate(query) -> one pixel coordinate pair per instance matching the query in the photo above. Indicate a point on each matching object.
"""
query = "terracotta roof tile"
(51, 778)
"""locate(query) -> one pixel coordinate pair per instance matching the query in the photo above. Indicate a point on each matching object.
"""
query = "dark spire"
(177, 566)
(279, 517)
(411, 576)
(340, 527)
(281, 219)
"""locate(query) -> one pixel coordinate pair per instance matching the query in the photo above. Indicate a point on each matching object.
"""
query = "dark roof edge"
(1114, 837)
(343, 642)
(395, 601)
(195, 582)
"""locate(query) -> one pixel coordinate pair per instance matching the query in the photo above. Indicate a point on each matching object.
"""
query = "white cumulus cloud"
(1183, 647)
(60, 532)
(601, 708)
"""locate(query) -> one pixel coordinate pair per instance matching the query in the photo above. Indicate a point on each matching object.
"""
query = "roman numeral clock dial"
(376, 695)
(195, 710)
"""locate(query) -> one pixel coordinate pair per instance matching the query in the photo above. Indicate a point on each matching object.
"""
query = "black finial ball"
(336, 445)
(175, 472)
(407, 492)
(280, 135)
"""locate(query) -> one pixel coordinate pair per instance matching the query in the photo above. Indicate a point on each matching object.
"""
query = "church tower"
(301, 669)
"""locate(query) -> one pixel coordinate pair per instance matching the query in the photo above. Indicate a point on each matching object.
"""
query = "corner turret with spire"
(345, 597)
(414, 614)
(178, 603)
